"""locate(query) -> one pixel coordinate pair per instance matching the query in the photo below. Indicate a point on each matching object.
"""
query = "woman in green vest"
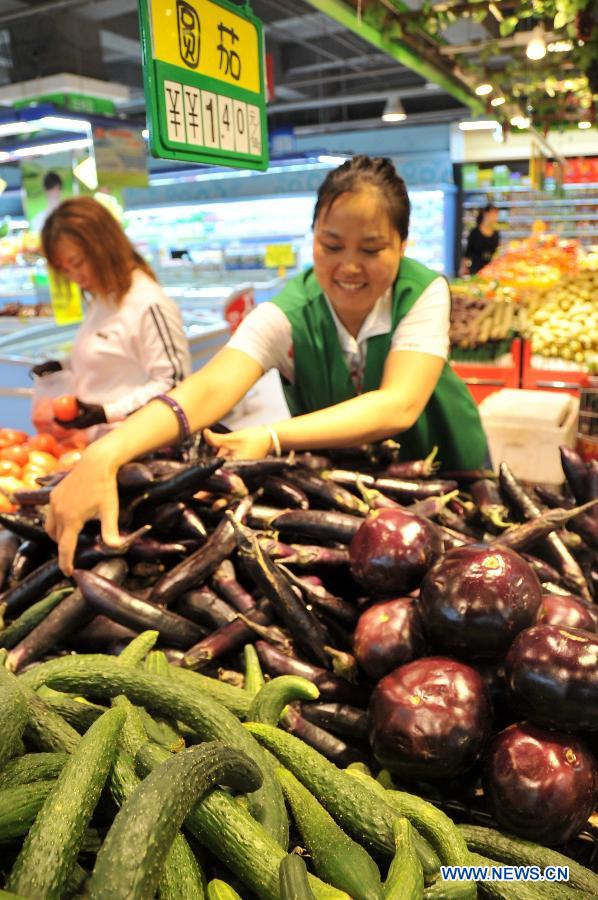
(360, 341)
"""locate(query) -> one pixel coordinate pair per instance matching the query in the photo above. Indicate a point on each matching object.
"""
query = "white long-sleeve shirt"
(124, 355)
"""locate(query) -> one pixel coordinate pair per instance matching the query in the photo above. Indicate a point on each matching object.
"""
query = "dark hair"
(52, 180)
(482, 212)
(360, 171)
(112, 256)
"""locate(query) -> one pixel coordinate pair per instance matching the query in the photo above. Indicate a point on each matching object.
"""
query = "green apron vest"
(450, 419)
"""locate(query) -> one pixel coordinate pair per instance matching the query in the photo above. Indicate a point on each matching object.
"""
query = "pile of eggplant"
(448, 619)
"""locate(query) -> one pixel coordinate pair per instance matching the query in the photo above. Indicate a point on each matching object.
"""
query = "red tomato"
(16, 453)
(9, 436)
(46, 442)
(8, 467)
(65, 407)
(42, 460)
(5, 505)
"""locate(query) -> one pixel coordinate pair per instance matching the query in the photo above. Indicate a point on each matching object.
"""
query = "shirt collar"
(377, 321)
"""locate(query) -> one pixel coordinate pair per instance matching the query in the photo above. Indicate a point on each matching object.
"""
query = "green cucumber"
(359, 767)
(516, 851)
(31, 618)
(220, 890)
(222, 825)
(520, 890)
(101, 677)
(293, 881)
(19, 806)
(182, 877)
(13, 715)
(46, 729)
(405, 879)
(234, 699)
(269, 702)
(156, 663)
(6, 895)
(385, 779)
(131, 858)
(53, 843)
(135, 653)
(79, 713)
(31, 767)
(161, 730)
(337, 859)
(254, 677)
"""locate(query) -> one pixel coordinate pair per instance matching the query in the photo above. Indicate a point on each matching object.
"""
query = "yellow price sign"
(65, 299)
(208, 39)
(279, 256)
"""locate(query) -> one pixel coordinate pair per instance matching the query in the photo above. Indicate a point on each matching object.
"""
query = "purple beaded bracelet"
(179, 412)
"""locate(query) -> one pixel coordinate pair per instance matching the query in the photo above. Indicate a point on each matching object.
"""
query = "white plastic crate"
(526, 428)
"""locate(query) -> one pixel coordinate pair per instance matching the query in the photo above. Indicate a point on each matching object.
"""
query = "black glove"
(46, 368)
(89, 414)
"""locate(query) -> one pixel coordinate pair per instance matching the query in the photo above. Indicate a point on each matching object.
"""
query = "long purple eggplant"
(552, 499)
(314, 524)
(570, 570)
(185, 482)
(224, 581)
(308, 633)
(327, 491)
(122, 607)
(522, 537)
(315, 461)
(72, 614)
(228, 638)
(489, 502)
(225, 482)
(318, 596)
(134, 476)
(151, 549)
(339, 718)
(25, 527)
(331, 687)
(419, 468)
(167, 516)
(576, 473)
(543, 570)
(41, 580)
(252, 470)
(100, 632)
(33, 498)
(431, 507)
(330, 746)
(284, 493)
(194, 570)
(9, 544)
(206, 608)
(408, 491)
(312, 556)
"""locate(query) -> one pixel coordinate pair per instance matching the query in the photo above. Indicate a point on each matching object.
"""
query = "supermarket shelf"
(582, 216)
(563, 234)
(581, 201)
(570, 186)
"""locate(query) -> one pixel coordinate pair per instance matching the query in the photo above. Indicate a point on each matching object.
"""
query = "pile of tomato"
(24, 458)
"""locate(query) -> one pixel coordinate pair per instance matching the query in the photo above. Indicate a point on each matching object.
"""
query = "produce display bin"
(534, 379)
(484, 379)
(525, 430)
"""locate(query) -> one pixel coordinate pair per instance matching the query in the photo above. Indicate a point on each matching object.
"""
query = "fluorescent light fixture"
(45, 149)
(50, 123)
(479, 125)
(497, 101)
(87, 173)
(484, 89)
(498, 135)
(560, 46)
(168, 178)
(332, 160)
(145, 134)
(584, 124)
(520, 121)
(536, 48)
(394, 111)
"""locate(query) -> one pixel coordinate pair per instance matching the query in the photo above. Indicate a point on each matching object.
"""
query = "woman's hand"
(88, 492)
(247, 443)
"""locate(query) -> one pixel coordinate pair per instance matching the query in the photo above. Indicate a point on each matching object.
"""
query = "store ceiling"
(327, 76)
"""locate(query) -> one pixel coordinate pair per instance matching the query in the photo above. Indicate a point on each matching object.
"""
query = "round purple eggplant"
(476, 599)
(540, 784)
(430, 719)
(387, 635)
(552, 675)
(392, 550)
(568, 610)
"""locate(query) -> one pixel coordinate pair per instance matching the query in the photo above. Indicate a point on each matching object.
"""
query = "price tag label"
(65, 299)
(204, 82)
(280, 256)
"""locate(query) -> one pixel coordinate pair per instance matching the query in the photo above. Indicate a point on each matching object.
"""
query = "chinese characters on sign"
(205, 82)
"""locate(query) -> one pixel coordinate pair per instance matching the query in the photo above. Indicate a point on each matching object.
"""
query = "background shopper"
(482, 242)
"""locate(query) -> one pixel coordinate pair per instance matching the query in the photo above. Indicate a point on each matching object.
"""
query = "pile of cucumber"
(127, 777)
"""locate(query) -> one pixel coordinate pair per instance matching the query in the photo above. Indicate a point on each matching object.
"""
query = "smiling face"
(357, 253)
(70, 259)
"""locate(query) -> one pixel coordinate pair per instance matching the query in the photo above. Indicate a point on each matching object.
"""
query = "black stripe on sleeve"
(167, 349)
(175, 349)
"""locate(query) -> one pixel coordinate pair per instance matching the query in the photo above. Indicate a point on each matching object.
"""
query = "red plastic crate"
(549, 379)
(483, 379)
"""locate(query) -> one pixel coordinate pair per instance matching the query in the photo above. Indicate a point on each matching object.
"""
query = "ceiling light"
(560, 46)
(394, 111)
(145, 134)
(536, 48)
(483, 89)
(497, 101)
(44, 149)
(479, 125)
(520, 121)
(584, 124)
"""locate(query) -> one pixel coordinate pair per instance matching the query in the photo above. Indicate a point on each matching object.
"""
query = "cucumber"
(19, 806)
(336, 858)
(102, 677)
(31, 767)
(6, 895)
(220, 890)
(254, 677)
(234, 699)
(161, 730)
(13, 715)
(405, 879)
(222, 825)
(131, 858)
(46, 729)
(50, 850)
(269, 702)
(182, 877)
(135, 653)
(520, 890)
(79, 713)
(31, 618)
(516, 851)
(292, 877)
